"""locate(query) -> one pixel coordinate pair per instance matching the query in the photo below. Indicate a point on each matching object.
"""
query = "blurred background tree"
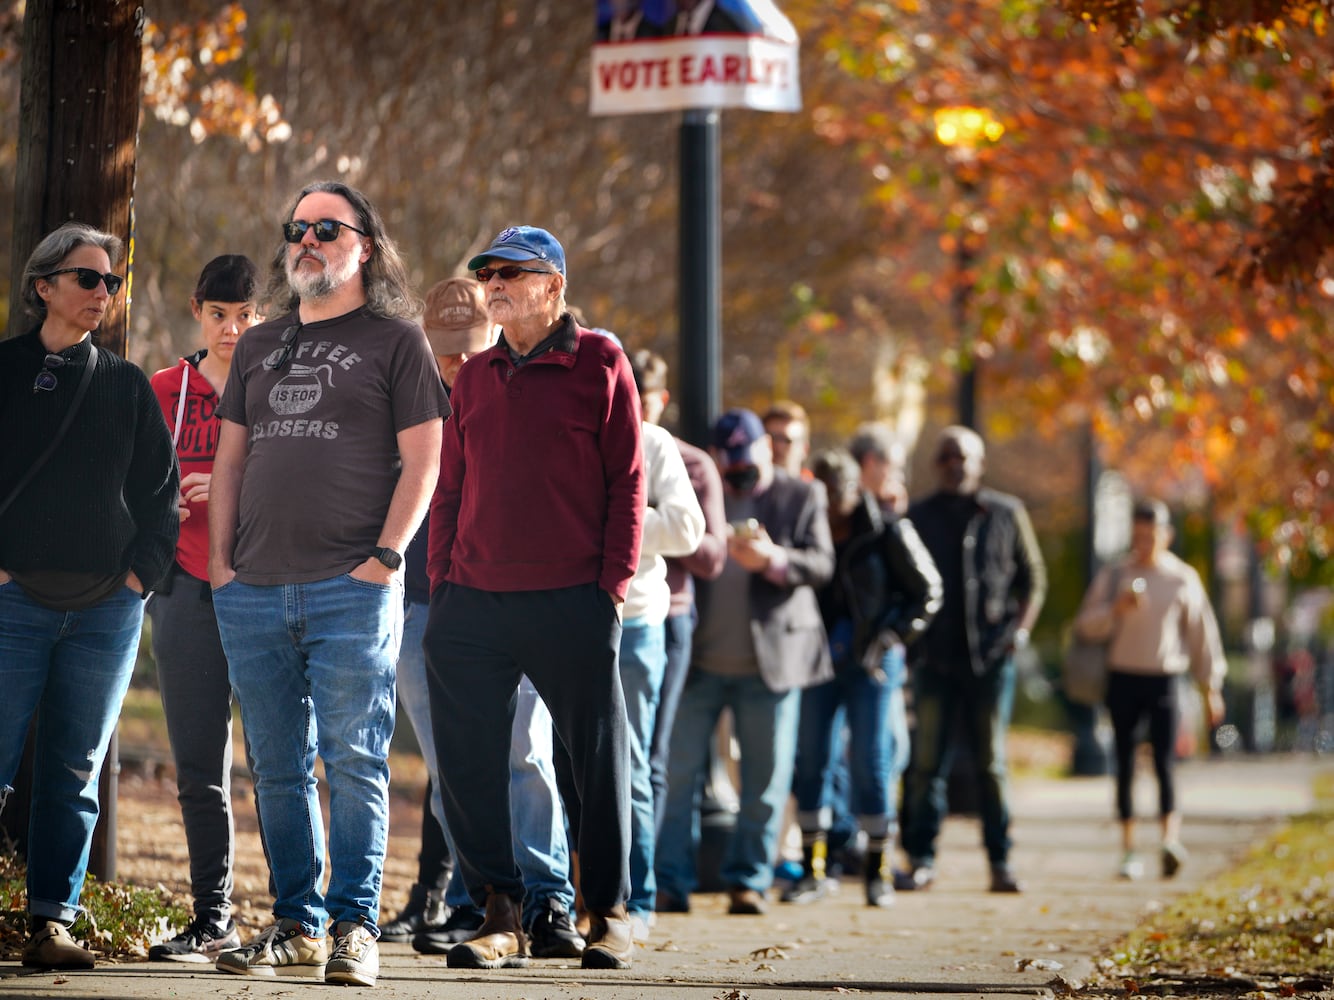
(1114, 258)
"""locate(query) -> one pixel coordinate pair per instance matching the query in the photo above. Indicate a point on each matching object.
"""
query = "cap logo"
(459, 313)
(507, 234)
(738, 438)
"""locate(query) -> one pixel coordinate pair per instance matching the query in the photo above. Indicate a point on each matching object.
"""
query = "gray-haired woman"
(86, 528)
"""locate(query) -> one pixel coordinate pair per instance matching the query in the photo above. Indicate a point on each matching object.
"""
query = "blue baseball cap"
(523, 243)
(734, 433)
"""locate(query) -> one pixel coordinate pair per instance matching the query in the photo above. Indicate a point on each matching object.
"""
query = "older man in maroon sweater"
(535, 531)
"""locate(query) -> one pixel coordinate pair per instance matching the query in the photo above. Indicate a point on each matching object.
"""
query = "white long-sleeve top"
(673, 526)
(1172, 630)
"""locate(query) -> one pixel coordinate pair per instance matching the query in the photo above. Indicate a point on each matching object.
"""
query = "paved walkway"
(955, 940)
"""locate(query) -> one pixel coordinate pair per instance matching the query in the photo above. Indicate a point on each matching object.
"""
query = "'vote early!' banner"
(669, 55)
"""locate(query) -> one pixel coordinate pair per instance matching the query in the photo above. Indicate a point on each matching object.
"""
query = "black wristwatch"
(390, 558)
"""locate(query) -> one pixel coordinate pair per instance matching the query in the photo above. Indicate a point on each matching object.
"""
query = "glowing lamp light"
(967, 126)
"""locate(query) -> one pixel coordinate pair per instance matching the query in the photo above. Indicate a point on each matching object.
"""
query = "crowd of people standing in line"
(564, 598)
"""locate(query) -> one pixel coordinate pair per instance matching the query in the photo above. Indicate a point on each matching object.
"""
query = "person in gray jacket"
(983, 544)
(760, 641)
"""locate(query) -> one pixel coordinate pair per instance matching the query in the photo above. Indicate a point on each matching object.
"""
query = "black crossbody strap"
(54, 443)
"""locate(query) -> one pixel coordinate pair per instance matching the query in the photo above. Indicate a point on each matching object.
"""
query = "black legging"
(1131, 697)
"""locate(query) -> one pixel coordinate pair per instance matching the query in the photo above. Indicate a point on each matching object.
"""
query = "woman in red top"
(192, 670)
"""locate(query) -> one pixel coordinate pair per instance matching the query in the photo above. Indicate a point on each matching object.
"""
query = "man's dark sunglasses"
(326, 230)
(88, 278)
(46, 378)
(507, 273)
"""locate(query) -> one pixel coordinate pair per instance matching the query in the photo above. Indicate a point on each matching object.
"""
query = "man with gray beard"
(327, 455)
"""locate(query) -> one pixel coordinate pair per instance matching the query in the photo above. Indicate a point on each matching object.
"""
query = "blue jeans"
(69, 669)
(312, 665)
(765, 725)
(982, 705)
(643, 661)
(677, 631)
(878, 726)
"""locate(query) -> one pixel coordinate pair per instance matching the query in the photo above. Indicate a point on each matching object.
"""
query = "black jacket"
(886, 580)
(1004, 578)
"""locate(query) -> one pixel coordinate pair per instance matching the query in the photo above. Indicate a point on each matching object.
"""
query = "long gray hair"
(384, 276)
(52, 251)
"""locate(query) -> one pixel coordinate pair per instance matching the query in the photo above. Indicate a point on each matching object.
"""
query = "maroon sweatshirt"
(541, 471)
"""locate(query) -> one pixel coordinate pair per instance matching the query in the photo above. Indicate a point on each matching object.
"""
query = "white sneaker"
(1132, 868)
(355, 960)
(640, 927)
(279, 950)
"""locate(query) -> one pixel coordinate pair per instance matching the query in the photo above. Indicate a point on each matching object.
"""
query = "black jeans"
(478, 644)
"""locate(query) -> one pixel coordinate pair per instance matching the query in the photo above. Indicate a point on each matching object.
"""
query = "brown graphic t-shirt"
(322, 459)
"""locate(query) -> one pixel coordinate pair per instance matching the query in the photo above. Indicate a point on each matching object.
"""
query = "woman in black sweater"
(81, 540)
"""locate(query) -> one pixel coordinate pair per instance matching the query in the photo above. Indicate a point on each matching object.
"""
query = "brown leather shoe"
(51, 947)
(611, 941)
(499, 943)
(747, 902)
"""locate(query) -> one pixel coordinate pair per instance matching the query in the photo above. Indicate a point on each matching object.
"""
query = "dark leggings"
(1130, 698)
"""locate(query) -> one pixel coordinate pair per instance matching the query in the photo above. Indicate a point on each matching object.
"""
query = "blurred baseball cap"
(456, 320)
(523, 243)
(733, 434)
(1154, 511)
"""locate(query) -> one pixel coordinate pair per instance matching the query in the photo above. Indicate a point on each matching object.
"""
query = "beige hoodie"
(1173, 628)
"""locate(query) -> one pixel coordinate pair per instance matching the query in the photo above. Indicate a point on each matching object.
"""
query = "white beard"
(311, 287)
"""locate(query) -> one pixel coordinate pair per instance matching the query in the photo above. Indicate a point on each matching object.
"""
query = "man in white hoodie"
(673, 526)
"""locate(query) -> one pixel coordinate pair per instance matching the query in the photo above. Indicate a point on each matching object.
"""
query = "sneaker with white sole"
(202, 941)
(1132, 868)
(355, 959)
(280, 950)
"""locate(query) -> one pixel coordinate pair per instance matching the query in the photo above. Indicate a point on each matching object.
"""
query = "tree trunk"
(78, 127)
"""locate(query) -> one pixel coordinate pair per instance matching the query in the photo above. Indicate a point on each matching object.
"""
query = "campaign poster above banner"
(672, 55)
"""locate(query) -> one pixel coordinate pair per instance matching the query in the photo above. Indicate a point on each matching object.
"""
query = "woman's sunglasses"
(46, 378)
(88, 278)
(326, 230)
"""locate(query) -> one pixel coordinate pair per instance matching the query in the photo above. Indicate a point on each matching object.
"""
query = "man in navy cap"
(759, 641)
(535, 534)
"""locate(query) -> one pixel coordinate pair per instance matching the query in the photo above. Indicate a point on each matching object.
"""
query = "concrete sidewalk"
(955, 940)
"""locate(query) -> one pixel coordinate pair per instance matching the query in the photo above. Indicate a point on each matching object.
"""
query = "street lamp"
(962, 130)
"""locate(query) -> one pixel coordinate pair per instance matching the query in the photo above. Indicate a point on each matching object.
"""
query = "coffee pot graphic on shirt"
(300, 389)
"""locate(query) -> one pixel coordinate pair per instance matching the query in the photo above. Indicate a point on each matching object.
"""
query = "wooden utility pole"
(78, 131)
(78, 128)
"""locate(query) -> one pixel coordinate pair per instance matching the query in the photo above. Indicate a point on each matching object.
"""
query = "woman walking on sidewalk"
(1153, 612)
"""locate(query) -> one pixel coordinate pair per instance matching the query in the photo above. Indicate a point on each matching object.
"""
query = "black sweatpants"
(478, 644)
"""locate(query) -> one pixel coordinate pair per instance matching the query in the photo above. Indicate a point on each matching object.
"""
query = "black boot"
(879, 873)
(425, 912)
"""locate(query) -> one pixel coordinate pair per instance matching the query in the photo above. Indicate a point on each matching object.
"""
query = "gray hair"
(52, 251)
(384, 277)
(877, 440)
